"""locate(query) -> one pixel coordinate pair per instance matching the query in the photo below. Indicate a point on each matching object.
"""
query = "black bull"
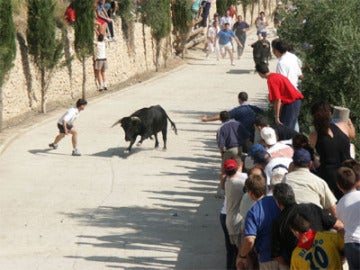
(261, 51)
(145, 123)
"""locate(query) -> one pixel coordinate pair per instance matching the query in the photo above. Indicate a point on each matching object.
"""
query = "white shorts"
(227, 46)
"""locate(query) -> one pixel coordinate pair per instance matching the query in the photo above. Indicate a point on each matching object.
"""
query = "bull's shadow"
(121, 152)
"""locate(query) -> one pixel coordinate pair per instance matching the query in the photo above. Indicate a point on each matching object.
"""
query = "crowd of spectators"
(291, 200)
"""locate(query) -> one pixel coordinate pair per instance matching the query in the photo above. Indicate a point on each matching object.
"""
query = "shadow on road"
(165, 230)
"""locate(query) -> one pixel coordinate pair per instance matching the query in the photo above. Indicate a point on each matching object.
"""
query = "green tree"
(7, 47)
(326, 36)
(43, 45)
(223, 5)
(181, 18)
(156, 14)
(84, 34)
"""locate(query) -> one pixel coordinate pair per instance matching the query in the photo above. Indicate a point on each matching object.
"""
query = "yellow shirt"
(324, 253)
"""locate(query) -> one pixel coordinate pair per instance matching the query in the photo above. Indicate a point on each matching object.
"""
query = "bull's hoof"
(138, 144)
(127, 151)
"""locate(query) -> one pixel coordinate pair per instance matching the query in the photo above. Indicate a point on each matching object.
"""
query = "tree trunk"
(144, 44)
(43, 90)
(84, 78)
(158, 49)
(244, 7)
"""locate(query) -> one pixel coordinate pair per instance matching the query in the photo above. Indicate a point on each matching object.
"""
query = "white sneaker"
(76, 153)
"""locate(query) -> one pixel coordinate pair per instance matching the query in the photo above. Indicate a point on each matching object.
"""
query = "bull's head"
(132, 127)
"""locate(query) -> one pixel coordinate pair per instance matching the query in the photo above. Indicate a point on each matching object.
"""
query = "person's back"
(261, 216)
(323, 254)
(232, 133)
(288, 66)
(246, 115)
(283, 241)
(309, 188)
(234, 190)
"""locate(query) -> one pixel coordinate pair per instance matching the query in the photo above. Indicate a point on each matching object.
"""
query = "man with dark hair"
(349, 213)
(289, 64)
(315, 250)
(244, 113)
(308, 187)
(225, 36)
(65, 126)
(285, 98)
(258, 224)
(283, 241)
(231, 137)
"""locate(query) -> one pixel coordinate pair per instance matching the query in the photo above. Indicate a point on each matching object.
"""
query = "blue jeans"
(231, 250)
(352, 251)
(289, 113)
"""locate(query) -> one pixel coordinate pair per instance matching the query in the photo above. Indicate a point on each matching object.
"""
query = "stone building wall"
(22, 91)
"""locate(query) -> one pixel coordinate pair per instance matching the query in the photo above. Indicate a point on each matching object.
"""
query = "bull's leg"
(128, 150)
(164, 135)
(156, 141)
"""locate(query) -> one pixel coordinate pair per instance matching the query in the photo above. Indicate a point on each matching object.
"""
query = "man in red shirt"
(285, 98)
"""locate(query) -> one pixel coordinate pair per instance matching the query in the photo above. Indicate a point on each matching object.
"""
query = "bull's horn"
(117, 122)
(135, 118)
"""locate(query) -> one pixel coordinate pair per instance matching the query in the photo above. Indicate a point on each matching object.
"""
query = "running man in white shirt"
(66, 126)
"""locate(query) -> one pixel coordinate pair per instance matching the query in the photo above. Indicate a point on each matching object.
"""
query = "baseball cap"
(254, 148)
(230, 165)
(268, 135)
(261, 156)
(301, 157)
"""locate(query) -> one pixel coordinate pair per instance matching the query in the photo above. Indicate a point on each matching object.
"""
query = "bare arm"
(332, 210)
(209, 119)
(277, 108)
(313, 139)
(246, 247)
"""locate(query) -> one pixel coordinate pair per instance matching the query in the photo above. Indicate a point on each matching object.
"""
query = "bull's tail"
(173, 127)
(117, 122)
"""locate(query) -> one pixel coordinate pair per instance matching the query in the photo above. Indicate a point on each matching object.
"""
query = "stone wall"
(126, 59)
(22, 92)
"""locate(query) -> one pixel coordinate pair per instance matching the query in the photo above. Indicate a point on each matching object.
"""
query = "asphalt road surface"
(151, 209)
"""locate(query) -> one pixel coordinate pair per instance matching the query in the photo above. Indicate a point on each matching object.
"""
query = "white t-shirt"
(70, 116)
(280, 150)
(289, 65)
(348, 211)
(228, 20)
(100, 50)
(233, 192)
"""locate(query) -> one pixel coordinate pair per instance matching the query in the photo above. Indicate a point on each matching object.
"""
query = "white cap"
(268, 135)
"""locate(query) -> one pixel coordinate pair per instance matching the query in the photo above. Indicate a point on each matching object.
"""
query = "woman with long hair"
(331, 141)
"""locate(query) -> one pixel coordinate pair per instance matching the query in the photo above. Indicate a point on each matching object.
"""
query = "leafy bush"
(326, 36)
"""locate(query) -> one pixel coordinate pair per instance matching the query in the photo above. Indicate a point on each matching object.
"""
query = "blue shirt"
(246, 114)
(224, 36)
(232, 134)
(258, 223)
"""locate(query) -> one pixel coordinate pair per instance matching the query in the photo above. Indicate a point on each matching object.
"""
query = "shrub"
(325, 33)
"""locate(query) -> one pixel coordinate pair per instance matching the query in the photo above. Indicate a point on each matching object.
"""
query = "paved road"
(151, 209)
